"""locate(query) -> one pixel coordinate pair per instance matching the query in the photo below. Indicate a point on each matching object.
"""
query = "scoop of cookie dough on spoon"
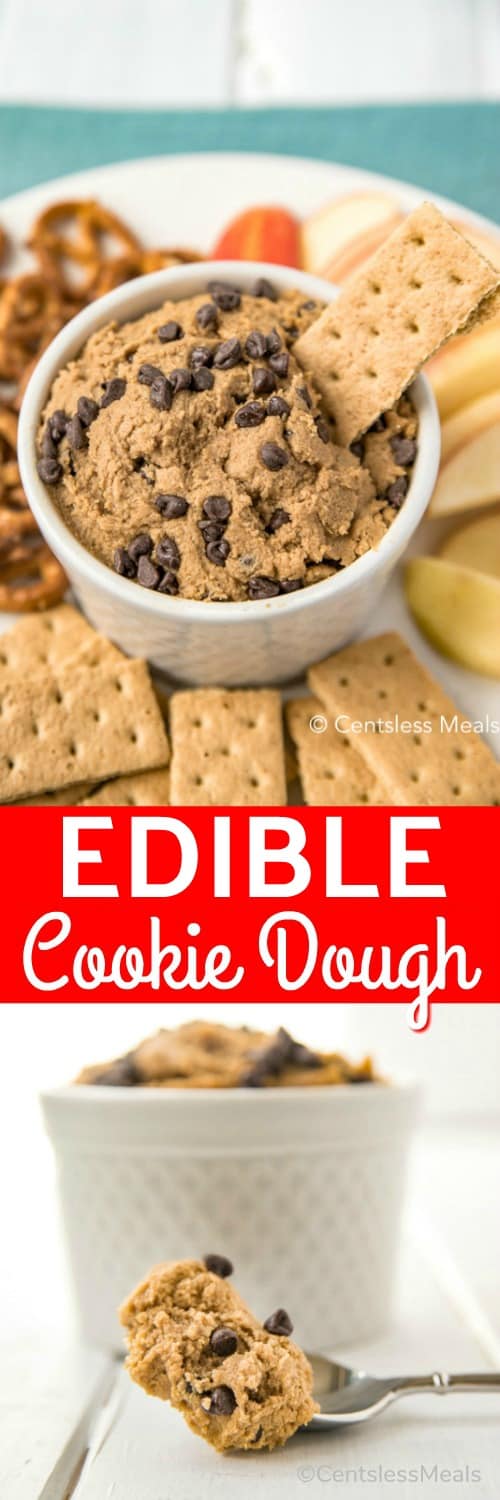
(192, 1341)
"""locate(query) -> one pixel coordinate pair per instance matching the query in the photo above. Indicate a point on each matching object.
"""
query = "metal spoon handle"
(442, 1384)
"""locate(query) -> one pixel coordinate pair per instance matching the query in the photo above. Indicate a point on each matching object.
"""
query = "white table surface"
(74, 1426)
(163, 53)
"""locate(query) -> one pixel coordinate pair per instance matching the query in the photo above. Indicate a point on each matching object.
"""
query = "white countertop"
(65, 1407)
(247, 51)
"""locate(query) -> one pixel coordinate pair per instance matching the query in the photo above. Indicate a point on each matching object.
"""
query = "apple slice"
(466, 424)
(345, 231)
(458, 610)
(467, 367)
(475, 546)
(471, 477)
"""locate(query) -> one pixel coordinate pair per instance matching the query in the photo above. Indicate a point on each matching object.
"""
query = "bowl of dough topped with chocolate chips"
(230, 458)
(292, 1158)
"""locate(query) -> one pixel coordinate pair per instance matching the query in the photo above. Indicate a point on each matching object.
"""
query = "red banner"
(308, 904)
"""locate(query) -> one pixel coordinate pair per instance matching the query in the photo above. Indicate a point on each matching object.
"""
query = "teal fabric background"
(451, 148)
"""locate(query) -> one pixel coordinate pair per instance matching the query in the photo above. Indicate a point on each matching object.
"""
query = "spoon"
(347, 1395)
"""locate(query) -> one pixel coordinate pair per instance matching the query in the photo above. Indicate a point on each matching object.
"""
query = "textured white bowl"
(301, 1187)
(270, 641)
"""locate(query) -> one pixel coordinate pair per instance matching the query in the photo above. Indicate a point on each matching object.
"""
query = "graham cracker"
(227, 748)
(90, 720)
(66, 796)
(38, 642)
(423, 284)
(380, 681)
(146, 789)
(332, 772)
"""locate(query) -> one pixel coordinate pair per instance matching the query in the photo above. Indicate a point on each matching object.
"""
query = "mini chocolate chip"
(273, 342)
(169, 583)
(260, 587)
(217, 508)
(49, 470)
(123, 1073)
(404, 449)
(114, 390)
(167, 553)
(58, 423)
(180, 380)
(160, 394)
(308, 306)
(218, 551)
(279, 1323)
(206, 316)
(273, 456)
(223, 1341)
(87, 410)
(146, 374)
(263, 381)
(49, 444)
(279, 518)
(141, 546)
(305, 394)
(322, 429)
(250, 415)
(123, 563)
(379, 425)
(227, 354)
(203, 379)
(218, 1264)
(223, 1401)
(278, 407)
(224, 295)
(171, 506)
(290, 585)
(212, 531)
(397, 491)
(169, 332)
(148, 574)
(279, 363)
(200, 355)
(75, 433)
(256, 344)
(264, 288)
(358, 449)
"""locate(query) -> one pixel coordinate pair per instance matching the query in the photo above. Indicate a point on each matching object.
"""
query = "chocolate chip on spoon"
(223, 1341)
(279, 1323)
(218, 1264)
(223, 1401)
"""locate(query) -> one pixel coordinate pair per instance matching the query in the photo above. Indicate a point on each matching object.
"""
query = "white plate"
(187, 200)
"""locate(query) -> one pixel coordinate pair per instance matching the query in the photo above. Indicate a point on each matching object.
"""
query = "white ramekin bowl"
(302, 1188)
(269, 641)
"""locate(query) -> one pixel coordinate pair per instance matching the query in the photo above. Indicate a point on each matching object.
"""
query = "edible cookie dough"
(188, 451)
(192, 1341)
(204, 1054)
